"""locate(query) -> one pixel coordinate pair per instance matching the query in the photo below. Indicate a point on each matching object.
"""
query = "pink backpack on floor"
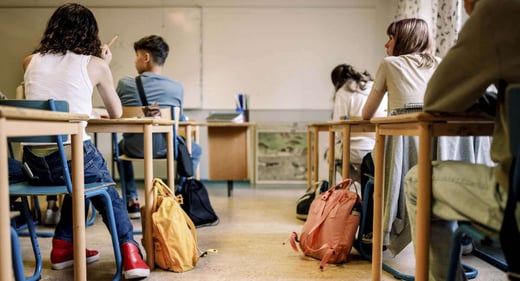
(331, 226)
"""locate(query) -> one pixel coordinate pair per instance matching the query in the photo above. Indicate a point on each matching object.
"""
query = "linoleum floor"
(249, 240)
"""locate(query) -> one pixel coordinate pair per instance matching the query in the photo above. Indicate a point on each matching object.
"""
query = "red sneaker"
(62, 254)
(133, 264)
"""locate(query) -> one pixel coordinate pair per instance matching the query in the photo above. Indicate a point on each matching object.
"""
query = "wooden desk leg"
(316, 154)
(170, 160)
(188, 138)
(78, 201)
(309, 156)
(377, 237)
(6, 264)
(148, 196)
(346, 152)
(332, 156)
(423, 203)
(229, 188)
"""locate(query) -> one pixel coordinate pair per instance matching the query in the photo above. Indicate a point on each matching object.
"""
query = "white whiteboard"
(180, 27)
(282, 57)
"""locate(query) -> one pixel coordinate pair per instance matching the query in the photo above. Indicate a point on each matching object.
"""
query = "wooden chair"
(171, 113)
(26, 189)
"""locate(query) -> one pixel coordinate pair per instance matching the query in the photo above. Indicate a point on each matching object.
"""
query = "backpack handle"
(159, 187)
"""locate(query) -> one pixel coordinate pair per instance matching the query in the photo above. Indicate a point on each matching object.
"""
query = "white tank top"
(61, 77)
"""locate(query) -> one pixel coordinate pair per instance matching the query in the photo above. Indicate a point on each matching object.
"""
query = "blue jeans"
(461, 191)
(48, 169)
(16, 173)
(131, 189)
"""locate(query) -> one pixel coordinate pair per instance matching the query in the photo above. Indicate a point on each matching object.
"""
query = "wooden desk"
(230, 151)
(346, 127)
(145, 126)
(425, 126)
(313, 151)
(16, 122)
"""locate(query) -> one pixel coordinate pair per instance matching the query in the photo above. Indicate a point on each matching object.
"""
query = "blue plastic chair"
(16, 254)
(20, 229)
(25, 189)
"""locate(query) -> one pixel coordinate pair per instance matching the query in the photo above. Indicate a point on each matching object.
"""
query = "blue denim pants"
(48, 169)
(16, 173)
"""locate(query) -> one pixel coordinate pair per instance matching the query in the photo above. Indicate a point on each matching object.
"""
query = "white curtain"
(444, 17)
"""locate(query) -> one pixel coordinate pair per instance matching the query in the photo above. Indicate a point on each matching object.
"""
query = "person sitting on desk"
(486, 53)
(68, 63)
(351, 92)
(150, 55)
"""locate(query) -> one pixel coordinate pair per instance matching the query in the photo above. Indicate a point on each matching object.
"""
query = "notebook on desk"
(231, 116)
(408, 108)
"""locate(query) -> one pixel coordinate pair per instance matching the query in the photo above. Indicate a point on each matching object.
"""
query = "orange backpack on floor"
(331, 226)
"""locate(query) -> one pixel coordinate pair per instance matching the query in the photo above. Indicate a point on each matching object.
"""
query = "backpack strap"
(140, 89)
(293, 239)
(326, 257)
(324, 214)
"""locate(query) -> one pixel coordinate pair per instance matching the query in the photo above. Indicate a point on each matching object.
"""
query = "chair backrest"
(131, 111)
(52, 105)
(509, 233)
(137, 111)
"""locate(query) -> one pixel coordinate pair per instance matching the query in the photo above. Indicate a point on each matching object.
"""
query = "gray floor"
(254, 224)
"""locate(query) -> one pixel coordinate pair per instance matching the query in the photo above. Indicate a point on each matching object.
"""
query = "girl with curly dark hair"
(68, 63)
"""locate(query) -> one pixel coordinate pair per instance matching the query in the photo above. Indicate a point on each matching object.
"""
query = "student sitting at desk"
(402, 75)
(150, 55)
(351, 92)
(485, 53)
(69, 61)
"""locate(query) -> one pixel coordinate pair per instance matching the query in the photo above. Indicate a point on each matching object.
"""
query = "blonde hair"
(412, 36)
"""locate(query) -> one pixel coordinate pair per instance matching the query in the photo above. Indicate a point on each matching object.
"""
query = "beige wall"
(322, 47)
(279, 52)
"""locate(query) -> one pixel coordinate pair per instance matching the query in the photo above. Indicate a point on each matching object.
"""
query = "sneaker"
(366, 239)
(133, 265)
(62, 254)
(466, 245)
(51, 217)
(134, 211)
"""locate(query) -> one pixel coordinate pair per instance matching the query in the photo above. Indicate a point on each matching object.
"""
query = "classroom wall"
(280, 52)
(280, 55)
